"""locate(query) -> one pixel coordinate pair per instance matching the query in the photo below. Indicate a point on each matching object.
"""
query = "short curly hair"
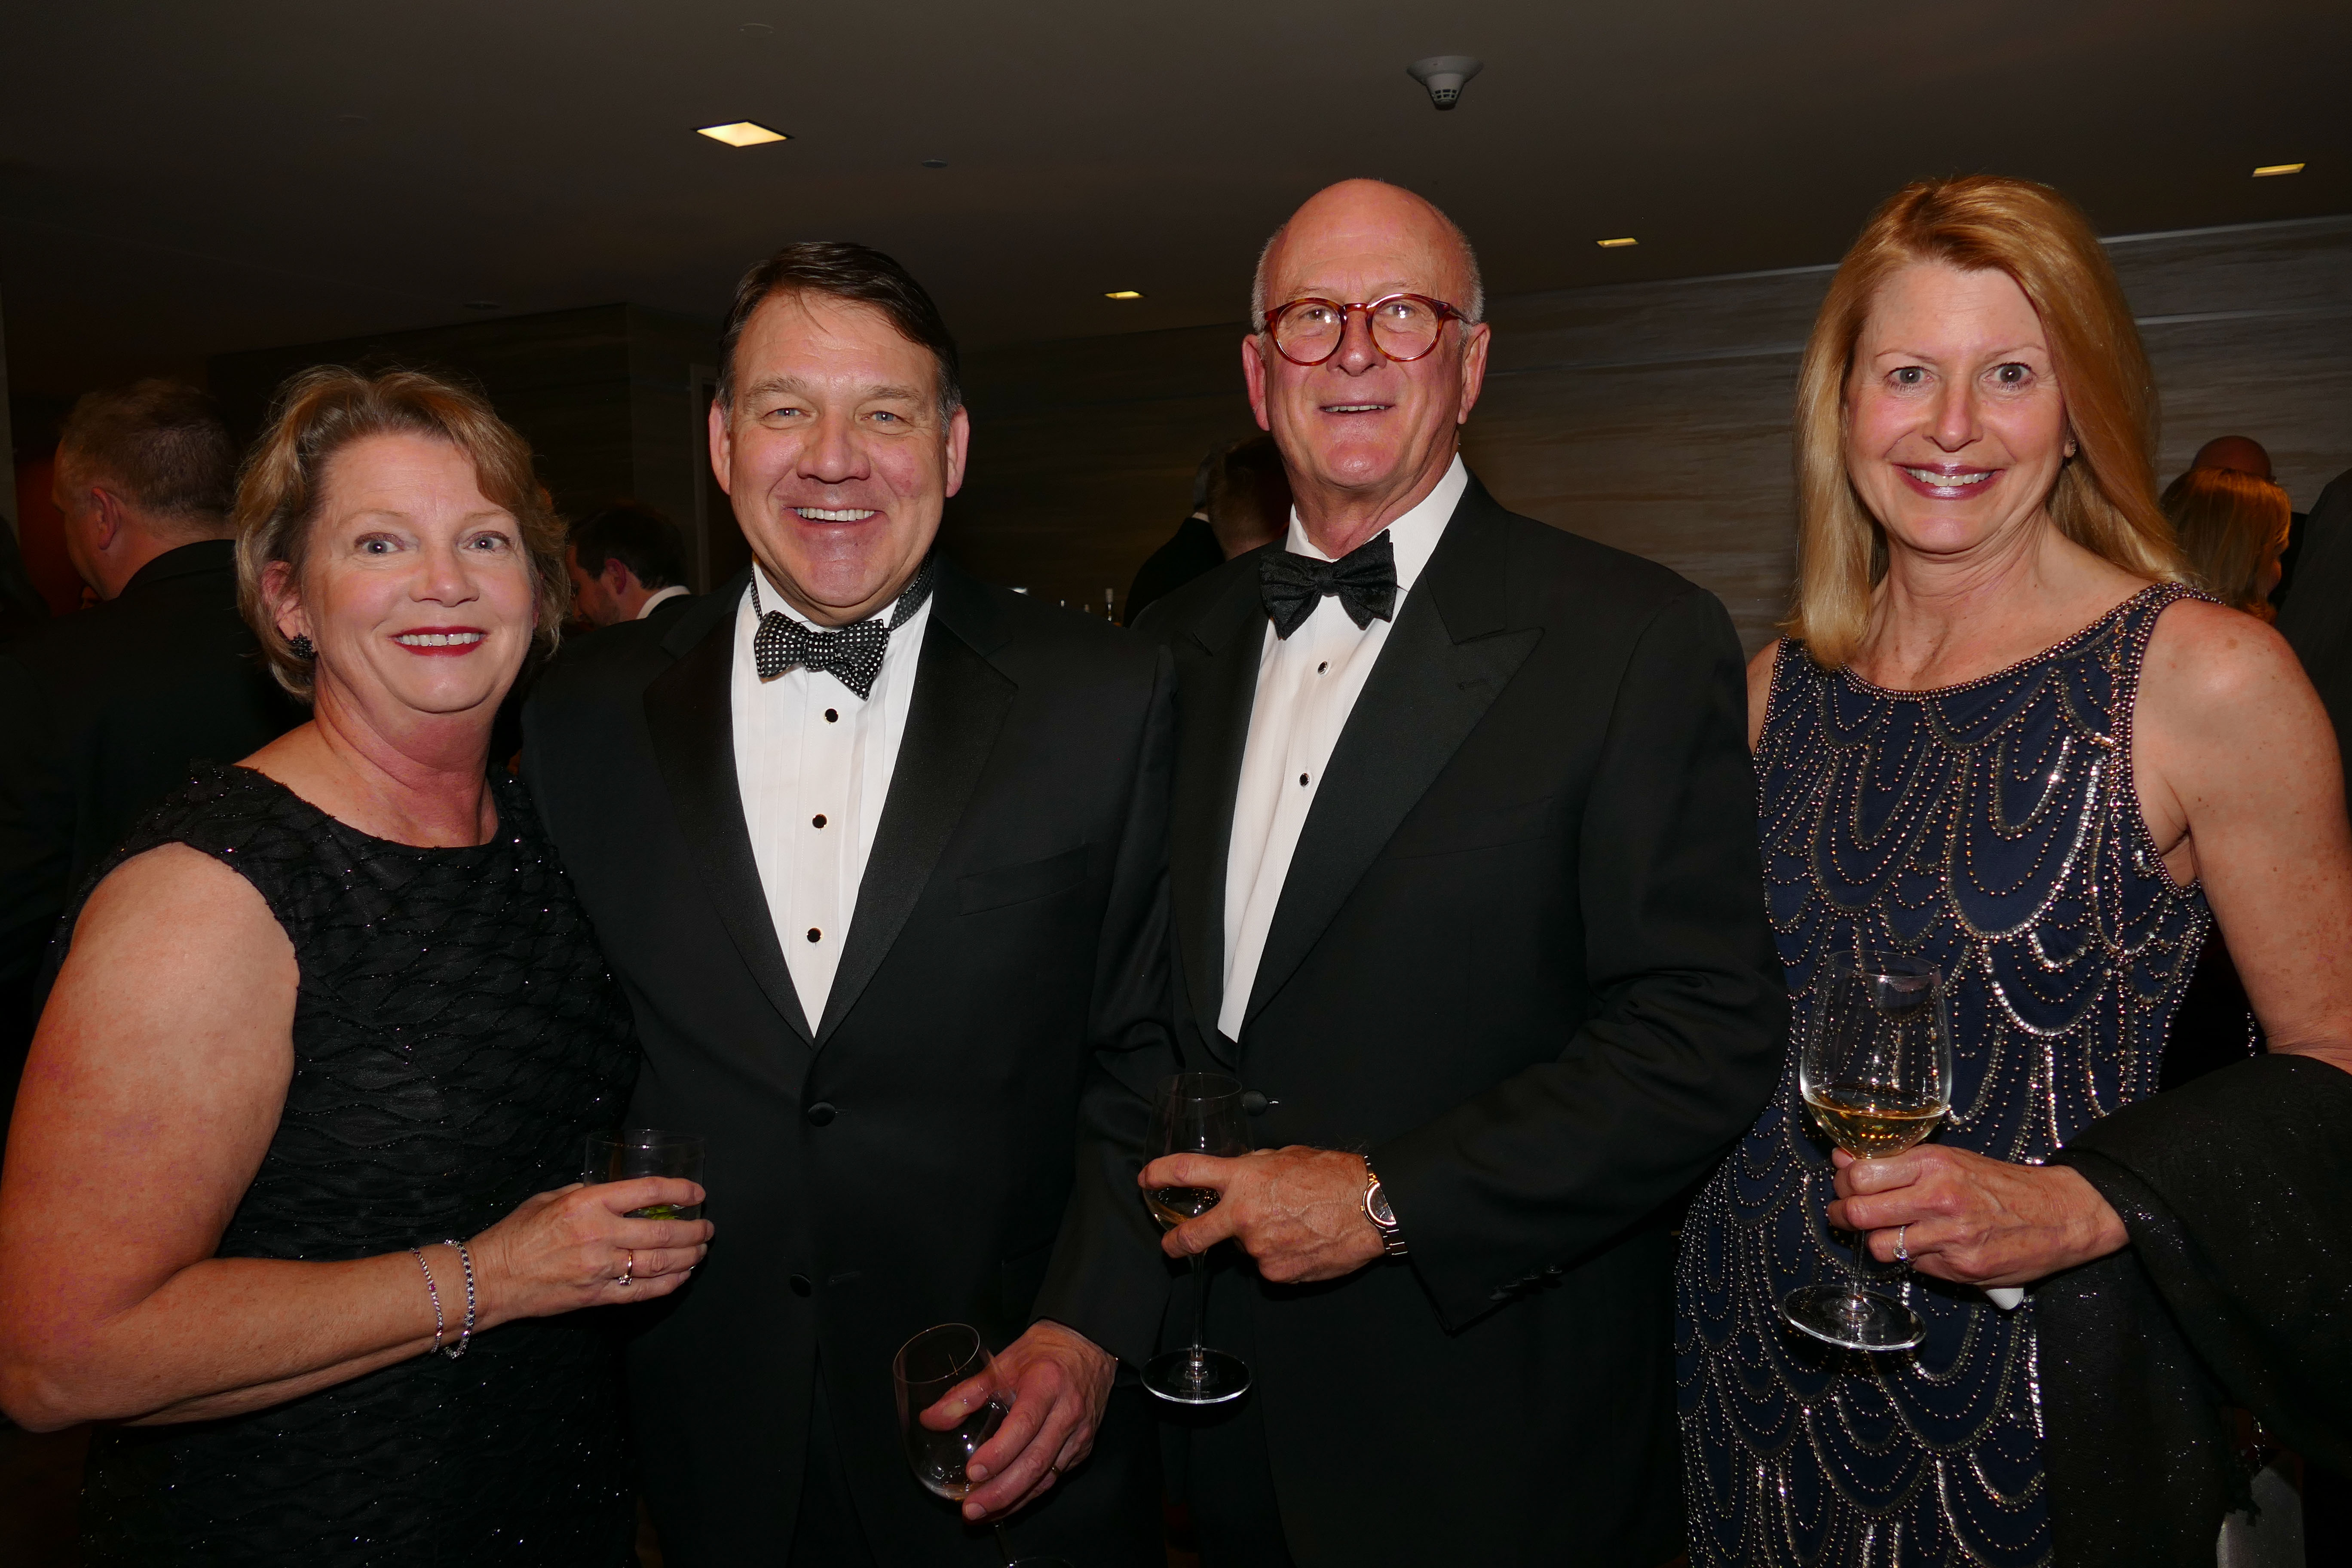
(321, 411)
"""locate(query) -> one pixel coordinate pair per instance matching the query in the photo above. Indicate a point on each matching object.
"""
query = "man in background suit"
(878, 853)
(1240, 499)
(625, 560)
(102, 713)
(1466, 892)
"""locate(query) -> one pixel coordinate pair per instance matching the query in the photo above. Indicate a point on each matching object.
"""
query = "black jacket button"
(822, 1113)
(799, 1282)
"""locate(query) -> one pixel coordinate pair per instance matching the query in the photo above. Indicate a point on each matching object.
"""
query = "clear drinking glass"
(924, 1372)
(1196, 1113)
(636, 1151)
(1875, 1069)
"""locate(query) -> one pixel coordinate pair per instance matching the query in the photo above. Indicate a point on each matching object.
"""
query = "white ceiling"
(177, 180)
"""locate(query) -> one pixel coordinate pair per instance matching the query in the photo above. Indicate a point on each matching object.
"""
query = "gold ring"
(628, 1270)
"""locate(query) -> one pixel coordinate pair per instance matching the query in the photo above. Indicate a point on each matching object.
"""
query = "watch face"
(1376, 1203)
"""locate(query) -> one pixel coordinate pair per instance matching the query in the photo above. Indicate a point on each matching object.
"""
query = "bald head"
(1364, 435)
(2240, 454)
(1359, 221)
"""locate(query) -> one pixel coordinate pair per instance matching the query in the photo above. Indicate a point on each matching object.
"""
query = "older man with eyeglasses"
(1466, 895)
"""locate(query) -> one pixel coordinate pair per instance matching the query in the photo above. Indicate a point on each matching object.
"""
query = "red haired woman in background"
(2232, 528)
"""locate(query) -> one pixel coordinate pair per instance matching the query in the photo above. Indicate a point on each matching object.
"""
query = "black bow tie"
(851, 653)
(1364, 580)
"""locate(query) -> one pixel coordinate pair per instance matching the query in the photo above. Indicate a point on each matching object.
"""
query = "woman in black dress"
(328, 1036)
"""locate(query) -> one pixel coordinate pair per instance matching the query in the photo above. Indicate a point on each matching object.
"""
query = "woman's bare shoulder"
(2207, 663)
(174, 910)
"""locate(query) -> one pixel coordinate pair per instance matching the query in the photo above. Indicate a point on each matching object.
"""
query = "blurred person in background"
(2244, 455)
(1241, 501)
(102, 711)
(2233, 526)
(313, 1087)
(625, 560)
(2315, 615)
(2238, 454)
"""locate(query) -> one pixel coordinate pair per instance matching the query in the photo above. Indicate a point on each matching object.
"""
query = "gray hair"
(1474, 310)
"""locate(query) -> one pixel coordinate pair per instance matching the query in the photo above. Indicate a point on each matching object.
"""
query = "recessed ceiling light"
(1614, 243)
(935, 162)
(1123, 294)
(758, 29)
(2267, 170)
(742, 134)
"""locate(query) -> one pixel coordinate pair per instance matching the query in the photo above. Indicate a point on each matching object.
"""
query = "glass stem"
(1003, 1547)
(1856, 1281)
(1862, 1256)
(1200, 1313)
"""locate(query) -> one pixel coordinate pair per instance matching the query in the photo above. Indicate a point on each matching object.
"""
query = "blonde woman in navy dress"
(2001, 736)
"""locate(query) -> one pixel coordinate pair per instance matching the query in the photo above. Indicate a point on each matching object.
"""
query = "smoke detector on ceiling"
(1445, 75)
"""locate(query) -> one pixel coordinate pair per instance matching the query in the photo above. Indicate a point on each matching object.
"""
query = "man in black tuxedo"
(102, 711)
(879, 855)
(1466, 893)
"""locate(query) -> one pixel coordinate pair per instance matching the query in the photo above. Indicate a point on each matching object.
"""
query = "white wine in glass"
(1196, 1113)
(1875, 1069)
(927, 1368)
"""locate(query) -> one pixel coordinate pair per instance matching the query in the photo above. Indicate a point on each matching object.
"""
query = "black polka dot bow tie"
(1364, 580)
(851, 653)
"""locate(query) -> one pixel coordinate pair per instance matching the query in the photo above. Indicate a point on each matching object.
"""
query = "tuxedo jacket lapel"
(689, 710)
(959, 706)
(1449, 657)
(1217, 664)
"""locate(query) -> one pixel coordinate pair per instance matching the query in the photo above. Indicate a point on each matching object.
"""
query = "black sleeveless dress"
(1991, 827)
(457, 1035)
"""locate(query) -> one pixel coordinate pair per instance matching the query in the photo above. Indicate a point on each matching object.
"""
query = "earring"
(302, 646)
(2070, 451)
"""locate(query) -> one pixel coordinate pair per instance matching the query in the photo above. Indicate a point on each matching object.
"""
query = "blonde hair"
(2230, 525)
(2105, 500)
(321, 411)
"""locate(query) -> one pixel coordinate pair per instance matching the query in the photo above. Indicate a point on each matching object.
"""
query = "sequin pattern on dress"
(1992, 829)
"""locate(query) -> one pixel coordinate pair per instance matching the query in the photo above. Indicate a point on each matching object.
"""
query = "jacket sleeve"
(1109, 1278)
(1684, 1045)
(2236, 1191)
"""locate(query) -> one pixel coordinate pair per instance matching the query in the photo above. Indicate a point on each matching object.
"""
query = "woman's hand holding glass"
(1960, 1216)
(577, 1247)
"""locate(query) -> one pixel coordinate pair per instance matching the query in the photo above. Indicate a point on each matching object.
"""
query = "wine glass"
(924, 1372)
(1196, 1113)
(636, 1151)
(1875, 1069)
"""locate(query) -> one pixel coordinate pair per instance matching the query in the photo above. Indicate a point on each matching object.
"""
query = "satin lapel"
(689, 710)
(1217, 665)
(1442, 667)
(959, 706)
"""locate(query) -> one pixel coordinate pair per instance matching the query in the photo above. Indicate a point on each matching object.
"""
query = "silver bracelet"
(465, 1330)
(433, 1294)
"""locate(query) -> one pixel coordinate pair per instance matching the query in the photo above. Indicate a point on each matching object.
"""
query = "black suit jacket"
(101, 714)
(1520, 959)
(956, 1139)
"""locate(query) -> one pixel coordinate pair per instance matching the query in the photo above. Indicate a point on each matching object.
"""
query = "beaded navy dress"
(1991, 828)
(457, 1037)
